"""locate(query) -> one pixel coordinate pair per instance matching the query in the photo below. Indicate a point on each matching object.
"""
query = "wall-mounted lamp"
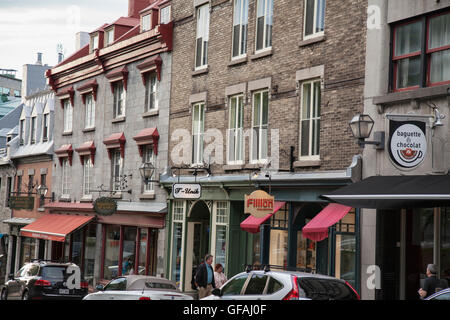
(437, 121)
(361, 126)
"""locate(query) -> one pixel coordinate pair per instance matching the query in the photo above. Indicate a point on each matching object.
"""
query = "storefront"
(215, 222)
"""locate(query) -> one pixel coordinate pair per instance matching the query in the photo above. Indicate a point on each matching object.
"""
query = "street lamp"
(361, 126)
(42, 190)
(146, 170)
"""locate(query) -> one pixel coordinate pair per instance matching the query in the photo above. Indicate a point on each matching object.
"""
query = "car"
(138, 287)
(283, 285)
(440, 295)
(45, 280)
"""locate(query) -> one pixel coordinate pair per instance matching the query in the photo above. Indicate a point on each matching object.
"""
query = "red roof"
(147, 134)
(66, 148)
(115, 138)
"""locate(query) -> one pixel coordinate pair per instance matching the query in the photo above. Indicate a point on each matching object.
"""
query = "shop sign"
(105, 206)
(187, 191)
(407, 143)
(21, 203)
(259, 204)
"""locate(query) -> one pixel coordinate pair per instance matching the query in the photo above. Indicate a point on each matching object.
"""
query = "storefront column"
(10, 253)
(18, 249)
(98, 254)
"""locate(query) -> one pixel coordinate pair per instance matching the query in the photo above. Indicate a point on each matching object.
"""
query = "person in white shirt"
(219, 277)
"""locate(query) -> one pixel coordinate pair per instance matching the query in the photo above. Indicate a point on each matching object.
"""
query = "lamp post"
(361, 126)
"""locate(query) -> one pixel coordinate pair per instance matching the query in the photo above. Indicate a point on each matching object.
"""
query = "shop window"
(111, 247)
(129, 250)
(306, 252)
(177, 244)
(221, 215)
(77, 247)
(445, 244)
(345, 251)
(143, 254)
(279, 238)
(28, 250)
(89, 252)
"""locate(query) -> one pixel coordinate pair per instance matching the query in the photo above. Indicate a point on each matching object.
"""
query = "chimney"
(81, 39)
(134, 6)
(60, 57)
(39, 59)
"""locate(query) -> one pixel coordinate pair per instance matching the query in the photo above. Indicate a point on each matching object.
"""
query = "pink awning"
(317, 228)
(252, 224)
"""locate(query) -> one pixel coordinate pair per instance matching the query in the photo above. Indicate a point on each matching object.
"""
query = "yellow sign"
(259, 204)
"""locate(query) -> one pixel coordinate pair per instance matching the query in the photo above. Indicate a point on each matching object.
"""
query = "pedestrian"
(205, 277)
(219, 277)
(431, 282)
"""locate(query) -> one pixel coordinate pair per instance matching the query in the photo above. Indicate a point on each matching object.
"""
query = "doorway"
(198, 240)
(57, 251)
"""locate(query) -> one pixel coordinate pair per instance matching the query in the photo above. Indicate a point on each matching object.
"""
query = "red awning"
(252, 224)
(54, 227)
(317, 228)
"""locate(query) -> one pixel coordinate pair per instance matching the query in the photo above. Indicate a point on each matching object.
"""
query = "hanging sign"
(187, 191)
(407, 143)
(105, 206)
(259, 204)
(21, 203)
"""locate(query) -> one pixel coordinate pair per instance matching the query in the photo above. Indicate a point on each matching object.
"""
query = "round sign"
(408, 145)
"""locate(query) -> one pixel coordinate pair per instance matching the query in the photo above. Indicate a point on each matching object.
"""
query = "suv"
(43, 280)
(283, 285)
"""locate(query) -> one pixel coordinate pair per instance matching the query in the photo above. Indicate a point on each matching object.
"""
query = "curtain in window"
(439, 36)
(202, 35)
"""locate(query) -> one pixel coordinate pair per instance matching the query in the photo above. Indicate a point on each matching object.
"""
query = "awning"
(252, 224)
(394, 192)
(317, 228)
(54, 227)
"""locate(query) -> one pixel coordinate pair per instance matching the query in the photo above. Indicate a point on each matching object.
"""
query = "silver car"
(283, 285)
(136, 287)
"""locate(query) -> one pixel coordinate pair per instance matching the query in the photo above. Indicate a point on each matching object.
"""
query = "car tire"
(25, 295)
(4, 295)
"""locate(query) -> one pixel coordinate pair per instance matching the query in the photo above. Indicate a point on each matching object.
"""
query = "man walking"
(431, 282)
(205, 277)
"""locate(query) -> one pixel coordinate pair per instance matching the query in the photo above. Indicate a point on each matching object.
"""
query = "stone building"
(262, 92)
(112, 116)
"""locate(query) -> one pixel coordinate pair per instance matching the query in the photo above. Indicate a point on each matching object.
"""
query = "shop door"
(57, 251)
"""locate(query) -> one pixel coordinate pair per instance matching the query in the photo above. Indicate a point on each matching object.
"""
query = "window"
(45, 125)
(119, 99)
(198, 126)
(129, 250)
(9, 188)
(418, 60)
(66, 177)
(19, 184)
(151, 91)
(43, 183)
(240, 27)
(117, 163)
(68, 114)
(146, 25)
(30, 184)
(109, 37)
(235, 130)
(314, 18)
(310, 120)
(33, 130)
(234, 287)
(260, 126)
(90, 111)
(201, 55)
(87, 175)
(256, 285)
(22, 131)
(177, 241)
(264, 23)
(221, 217)
(149, 157)
(94, 42)
(112, 250)
(165, 15)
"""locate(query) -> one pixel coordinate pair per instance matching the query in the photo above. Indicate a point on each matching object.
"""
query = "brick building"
(274, 84)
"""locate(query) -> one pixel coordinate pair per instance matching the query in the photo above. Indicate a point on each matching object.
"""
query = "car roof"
(52, 263)
(294, 273)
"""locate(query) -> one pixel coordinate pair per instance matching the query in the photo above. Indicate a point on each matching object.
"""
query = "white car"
(283, 285)
(136, 287)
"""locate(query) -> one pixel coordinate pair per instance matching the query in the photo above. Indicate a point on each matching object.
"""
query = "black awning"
(393, 192)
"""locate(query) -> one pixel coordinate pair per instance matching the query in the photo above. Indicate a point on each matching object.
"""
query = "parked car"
(283, 285)
(440, 295)
(137, 287)
(43, 280)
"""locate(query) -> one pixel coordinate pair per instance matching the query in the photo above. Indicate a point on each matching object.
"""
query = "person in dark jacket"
(431, 284)
(205, 277)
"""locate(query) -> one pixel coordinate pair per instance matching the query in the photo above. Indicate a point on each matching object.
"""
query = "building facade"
(112, 116)
(260, 99)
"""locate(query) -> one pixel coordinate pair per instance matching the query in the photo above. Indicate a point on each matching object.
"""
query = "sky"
(31, 26)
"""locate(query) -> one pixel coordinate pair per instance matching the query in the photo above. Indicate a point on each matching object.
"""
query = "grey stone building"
(111, 117)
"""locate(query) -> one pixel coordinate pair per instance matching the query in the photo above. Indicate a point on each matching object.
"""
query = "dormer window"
(22, 132)
(33, 130)
(146, 22)
(165, 15)
(45, 127)
(109, 37)
(94, 42)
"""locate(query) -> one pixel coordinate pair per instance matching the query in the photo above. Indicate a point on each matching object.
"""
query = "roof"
(8, 106)
(33, 150)
(11, 119)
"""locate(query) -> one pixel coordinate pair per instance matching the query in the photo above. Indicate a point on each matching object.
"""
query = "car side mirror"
(217, 292)
(100, 288)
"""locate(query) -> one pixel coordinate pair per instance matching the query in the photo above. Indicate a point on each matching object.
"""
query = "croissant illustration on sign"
(259, 204)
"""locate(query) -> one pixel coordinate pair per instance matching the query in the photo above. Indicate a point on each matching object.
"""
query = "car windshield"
(54, 273)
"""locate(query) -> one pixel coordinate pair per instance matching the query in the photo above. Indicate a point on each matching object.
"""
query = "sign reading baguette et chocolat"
(259, 204)
(407, 143)
(187, 191)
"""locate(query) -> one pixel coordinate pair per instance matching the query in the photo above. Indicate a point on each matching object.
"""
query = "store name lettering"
(261, 204)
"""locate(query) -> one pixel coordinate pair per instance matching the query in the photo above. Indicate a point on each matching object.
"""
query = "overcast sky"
(31, 26)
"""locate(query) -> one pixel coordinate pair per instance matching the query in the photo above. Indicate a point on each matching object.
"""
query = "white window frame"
(89, 119)
(150, 157)
(178, 220)
(94, 42)
(243, 20)
(311, 107)
(202, 32)
(88, 168)
(109, 37)
(68, 116)
(165, 14)
(151, 89)
(66, 178)
(146, 22)
(117, 98)
(314, 34)
(265, 35)
(197, 155)
(238, 131)
(260, 159)
(220, 205)
(116, 156)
